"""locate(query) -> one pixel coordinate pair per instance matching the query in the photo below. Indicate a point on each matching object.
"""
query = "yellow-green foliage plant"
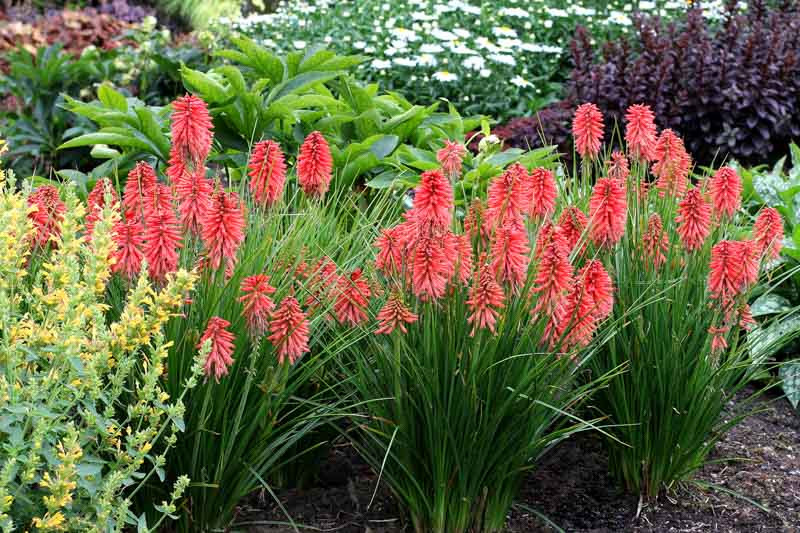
(84, 420)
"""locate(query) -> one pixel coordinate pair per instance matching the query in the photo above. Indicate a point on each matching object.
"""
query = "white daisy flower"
(474, 63)
(461, 32)
(513, 12)
(444, 76)
(555, 12)
(380, 64)
(485, 73)
(504, 31)
(504, 59)
(299, 44)
(443, 35)
(426, 60)
(405, 61)
(431, 48)
(519, 81)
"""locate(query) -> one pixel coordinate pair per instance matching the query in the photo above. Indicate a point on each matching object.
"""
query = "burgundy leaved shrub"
(731, 91)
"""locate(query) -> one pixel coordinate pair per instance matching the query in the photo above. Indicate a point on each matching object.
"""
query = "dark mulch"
(573, 489)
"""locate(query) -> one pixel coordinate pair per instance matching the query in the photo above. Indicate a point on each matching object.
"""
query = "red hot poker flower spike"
(450, 157)
(587, 128)
(314, 165)
(693, 220)
(258, 305)
(290, 329)
(725, 188)
(191, 129)
(542, 193)
(219, 359)
(640, 132)
(352, 299)
(223, 228)
(607, 212)
(130, 244)
(485, 299)
(768, 232)
(394, 314)
(267, 173)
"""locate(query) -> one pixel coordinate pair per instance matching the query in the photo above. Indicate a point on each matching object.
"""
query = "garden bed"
(572, 488)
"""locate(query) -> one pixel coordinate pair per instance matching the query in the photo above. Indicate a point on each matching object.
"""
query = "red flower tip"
(450, 157)
(598, 286)
(191, 129)
(394, 314)
(572, 224)
(749, 255)
(314, 165)
(508, 198)
(542, 192)
(672, 164)
(718, 342)
(130, 244)
(553, 275)
(587, 127)
(258, 305)
(48, 215)
(390, 244)
(223, 228)
(219, 359)
(433, 201)
(726, 276)
(321, 278)
(290, 329)
(768, 232)
(352, 299)
(138, 189)
(96, 202)
(693, 220)
(464, 258)
(608, 211)
(640, 132)
(267, 172)
(509, 251)
(431, 268)
(655, 241)
(162, 241)
(485, 298)
(617, 166)
(725, 188)
(194, 198)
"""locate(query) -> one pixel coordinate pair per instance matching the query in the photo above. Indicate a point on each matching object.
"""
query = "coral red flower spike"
(640, 132)
(672, 164)
(191, 130)
(194, 198)
(394, 314)
(485, 299)
(290, 330)
(768, 232)
(267, 171)
(725, 188)
(607, 211)
(258, 305)
(450, 157)
(219, 359)
(128, 236)
(138, 188)
(96, 202)
(693, 220)
(223, 228)
(352, 299)
(542, 192)
(587, 127)
(314, 165)
(48, 215)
